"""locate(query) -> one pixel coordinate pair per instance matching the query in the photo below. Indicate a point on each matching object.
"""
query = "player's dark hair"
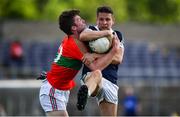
(104, 9)
(66, 20)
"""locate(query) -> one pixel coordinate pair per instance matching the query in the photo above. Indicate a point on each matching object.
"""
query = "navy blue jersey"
(110, 72)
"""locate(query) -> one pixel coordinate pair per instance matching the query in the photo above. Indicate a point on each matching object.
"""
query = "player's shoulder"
(89, 28)
(120, 35)
(92, 27)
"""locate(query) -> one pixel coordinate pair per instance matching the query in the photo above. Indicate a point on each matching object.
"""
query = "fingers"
(88, 58)
(115, 42)
(115, 45)
(85, 61)
(110, 35)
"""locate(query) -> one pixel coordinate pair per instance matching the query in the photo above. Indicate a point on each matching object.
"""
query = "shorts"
(108, 91)
(52, 99)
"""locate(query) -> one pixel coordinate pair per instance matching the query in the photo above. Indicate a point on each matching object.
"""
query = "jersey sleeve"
(120, 36)
(87, 29)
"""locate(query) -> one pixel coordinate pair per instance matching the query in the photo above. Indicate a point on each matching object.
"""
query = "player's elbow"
(117, 60)
(120, 60)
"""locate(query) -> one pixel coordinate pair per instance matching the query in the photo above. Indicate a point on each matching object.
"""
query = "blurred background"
(29, 39)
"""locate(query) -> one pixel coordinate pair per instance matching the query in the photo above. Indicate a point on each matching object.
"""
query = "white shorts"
(108, 91)
(52, 99)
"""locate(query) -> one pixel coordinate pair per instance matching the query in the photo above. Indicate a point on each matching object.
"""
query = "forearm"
(117, 60)
(92, 35)
(88, 58)
(98, 55)
(101, 62)
(118, 57)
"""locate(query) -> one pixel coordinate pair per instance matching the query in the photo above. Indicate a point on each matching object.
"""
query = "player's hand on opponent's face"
(88, 58)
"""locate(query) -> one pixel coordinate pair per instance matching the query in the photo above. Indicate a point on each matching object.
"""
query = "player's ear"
(113, 20)
(73, 28)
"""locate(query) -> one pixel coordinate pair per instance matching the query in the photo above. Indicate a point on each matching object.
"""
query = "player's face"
(105, 21)
(79, 23)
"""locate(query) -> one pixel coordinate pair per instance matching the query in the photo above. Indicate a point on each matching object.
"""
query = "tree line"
(144, 11)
